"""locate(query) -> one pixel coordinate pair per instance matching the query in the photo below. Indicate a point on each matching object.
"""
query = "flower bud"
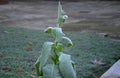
(65, 17)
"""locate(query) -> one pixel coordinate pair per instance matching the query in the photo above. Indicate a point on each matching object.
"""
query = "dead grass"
(92, 26)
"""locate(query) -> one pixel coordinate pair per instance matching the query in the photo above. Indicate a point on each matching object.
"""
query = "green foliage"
(51, 71)
(66, 66)
(52, 62)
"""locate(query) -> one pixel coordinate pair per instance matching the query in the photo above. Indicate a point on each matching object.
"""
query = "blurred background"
(92, 25)
(84, 15)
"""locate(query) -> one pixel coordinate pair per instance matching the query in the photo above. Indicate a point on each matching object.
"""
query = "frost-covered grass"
(19, 49)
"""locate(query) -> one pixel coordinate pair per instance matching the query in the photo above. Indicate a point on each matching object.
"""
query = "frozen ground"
(39, 15)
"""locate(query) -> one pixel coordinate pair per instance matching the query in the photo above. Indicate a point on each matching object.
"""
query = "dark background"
(7, 1)
(66, 0)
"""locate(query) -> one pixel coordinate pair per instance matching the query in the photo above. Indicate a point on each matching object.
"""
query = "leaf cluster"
(52, 62)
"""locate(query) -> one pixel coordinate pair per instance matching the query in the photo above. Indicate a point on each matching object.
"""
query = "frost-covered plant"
(52, 62)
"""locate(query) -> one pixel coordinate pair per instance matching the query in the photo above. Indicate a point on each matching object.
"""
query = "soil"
(42, 14)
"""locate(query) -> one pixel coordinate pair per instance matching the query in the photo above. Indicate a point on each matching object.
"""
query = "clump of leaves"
(52, 62)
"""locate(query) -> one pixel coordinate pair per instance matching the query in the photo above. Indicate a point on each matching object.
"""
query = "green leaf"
(56, 31)
(69, 44)
(40, 77)
(49, 30)
(66, 67)
(37, 65)
(46, 51)
(60, 16)
(58, 34)
(59, 47)
(41, 61)
(51, 71)
(59, 10)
